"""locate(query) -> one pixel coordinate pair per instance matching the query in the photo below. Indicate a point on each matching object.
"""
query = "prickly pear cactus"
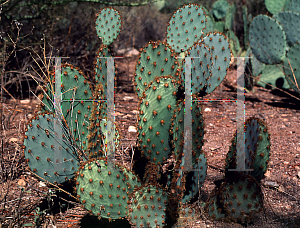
(147, 206)
(100, 67)
(154, 119)
(291, 63)
(267, 39)
(197, 130)
(274, 6)
(290, 22)
(220, 50)
(241, 198)
(104, 192)
(235, 200)
(76, 101)
(40, 143)
(257, 149)
(220, 8)
(155, 59)
(108, 25)
(185, 27)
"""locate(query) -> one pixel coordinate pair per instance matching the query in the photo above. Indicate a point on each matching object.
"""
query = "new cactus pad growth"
(185, 27)
(40, 143)
(108, 25)
(104, 192)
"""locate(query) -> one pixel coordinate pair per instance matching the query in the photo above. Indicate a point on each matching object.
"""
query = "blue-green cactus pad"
(41, 140)
(108, 24)
(291, 64)
(220, 8)
(273, 74)
(257, 149)
(147, 207)
(274, 6)
(154, 120)
(104, 192)
(267, 39)
(155, 59)
(290, 22)
(185, 27)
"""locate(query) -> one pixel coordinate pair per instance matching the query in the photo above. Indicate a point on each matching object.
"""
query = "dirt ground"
(281, 186)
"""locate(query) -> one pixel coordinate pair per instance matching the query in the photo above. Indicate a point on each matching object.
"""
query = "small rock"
(21, 183)
(27, 101)
(271, 184)
(298, 175)
(14, 140)
(127, 98)
(132, 129)
(207, 110)
(42, 184)
(135, 111)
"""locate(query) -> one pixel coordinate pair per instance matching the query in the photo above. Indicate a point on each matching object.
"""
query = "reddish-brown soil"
(280, 112)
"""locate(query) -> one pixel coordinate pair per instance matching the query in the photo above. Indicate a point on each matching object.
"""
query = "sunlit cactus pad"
(108, 24)
(185, 27)
(103, 191)
(147, 207)
(40, 142)
(155, 59)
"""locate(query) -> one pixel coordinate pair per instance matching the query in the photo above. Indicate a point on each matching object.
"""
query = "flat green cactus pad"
(257, 150)
(147, 207)
(267, 39)
(155, 59)
(185, 27)
(220, 8)
(274, 6)
(291, 64)
(154, 120)
(290, 22)
(108, 24)
(40, 143)
(104, 192)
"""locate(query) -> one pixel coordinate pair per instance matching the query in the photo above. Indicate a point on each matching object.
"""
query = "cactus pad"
(104, 192)
(41, 140)
(219, 47)
(155, 59)
(257, 149)
(108, 25)
(267, 39)
(156, 111)
(291, 63)
(290, 22)
(147, 207)
(220, 8)
(185, 27)
(274, 6)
